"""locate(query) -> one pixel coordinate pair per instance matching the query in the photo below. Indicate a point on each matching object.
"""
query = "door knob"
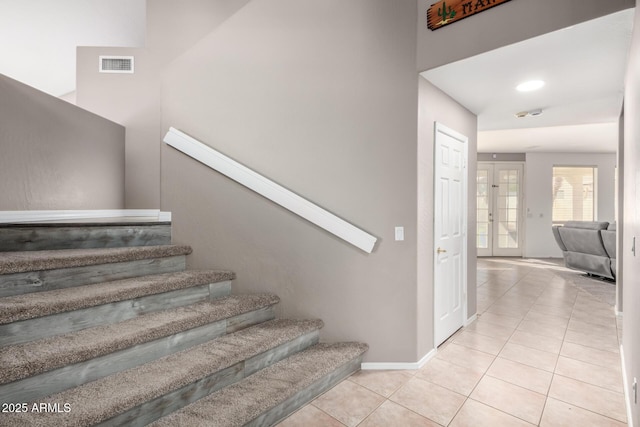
(440, 250)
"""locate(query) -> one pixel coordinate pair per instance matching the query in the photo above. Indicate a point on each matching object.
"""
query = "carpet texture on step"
(24, 261)
(244, 401)
(38, 304)
(24, 360)
(102, 399)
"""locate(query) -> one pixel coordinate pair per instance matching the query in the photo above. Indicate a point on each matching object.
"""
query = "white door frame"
(441, 129)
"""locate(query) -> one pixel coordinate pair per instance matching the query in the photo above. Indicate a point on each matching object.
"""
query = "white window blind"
(574, 193)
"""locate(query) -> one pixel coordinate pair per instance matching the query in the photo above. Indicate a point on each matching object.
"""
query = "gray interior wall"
(54, 155)
(631, 224)
(321, 98)
(502, 157)
(505, 24)
(436, 106)
(133, 100)
(538, 184)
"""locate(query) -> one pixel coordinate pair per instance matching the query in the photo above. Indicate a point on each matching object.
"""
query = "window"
(574, 193)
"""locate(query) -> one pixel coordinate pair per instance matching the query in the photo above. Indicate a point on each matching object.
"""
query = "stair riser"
(155, 409)
(40, 238)
(62, 323)
(32, 388)
(47, 280)
(286, 408)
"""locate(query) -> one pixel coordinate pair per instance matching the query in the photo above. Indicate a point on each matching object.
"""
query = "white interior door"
(500, 200)
(450, 223)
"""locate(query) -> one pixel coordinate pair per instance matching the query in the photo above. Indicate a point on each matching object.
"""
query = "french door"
(499, 227)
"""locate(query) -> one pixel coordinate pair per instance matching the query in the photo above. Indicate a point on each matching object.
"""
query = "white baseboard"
(399, 366)
(470, 320)
(625, 383)
(14, 217)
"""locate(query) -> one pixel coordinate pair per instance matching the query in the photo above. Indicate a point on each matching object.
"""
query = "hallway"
(542, 352)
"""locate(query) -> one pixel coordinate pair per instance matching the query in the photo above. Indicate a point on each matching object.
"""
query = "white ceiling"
(39, 37)
(583, 67)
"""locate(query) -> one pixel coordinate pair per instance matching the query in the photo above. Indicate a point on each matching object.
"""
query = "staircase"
(100, 324)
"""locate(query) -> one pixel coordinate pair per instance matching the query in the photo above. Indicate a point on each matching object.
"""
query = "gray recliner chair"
(588, 246)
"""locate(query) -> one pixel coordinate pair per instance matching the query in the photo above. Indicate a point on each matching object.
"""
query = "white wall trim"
(625, 383)
(399, 366)
(270, 190)
(15, 217)
(470, 320)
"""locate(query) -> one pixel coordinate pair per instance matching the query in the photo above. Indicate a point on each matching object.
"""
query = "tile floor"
(542, 352)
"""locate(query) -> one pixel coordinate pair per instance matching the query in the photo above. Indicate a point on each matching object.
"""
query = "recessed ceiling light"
(530, 85)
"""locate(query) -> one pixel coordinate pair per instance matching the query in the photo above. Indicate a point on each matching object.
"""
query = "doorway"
(500, 201)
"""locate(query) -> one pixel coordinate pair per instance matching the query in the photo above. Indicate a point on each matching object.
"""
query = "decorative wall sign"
(446, 12)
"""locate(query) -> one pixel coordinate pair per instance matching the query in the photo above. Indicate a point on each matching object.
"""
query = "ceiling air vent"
(116, 64)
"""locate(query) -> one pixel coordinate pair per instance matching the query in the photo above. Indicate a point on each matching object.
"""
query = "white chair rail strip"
(270, 190)
(15, 217)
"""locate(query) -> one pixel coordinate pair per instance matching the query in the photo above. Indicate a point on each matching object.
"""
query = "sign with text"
(446, 12)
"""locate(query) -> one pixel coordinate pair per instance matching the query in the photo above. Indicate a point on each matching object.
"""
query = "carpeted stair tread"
(24, 360)
(19, 262)
(244, 401)
(102, 399)
(38, 304)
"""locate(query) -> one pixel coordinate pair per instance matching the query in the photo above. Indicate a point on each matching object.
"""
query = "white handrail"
(269, 189)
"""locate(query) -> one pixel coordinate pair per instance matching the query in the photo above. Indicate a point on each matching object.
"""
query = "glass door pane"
(508, 180)
(483, 204)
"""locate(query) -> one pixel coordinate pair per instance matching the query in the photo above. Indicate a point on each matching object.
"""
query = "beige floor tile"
(476, 414)
(505, 310)
(589, 397)
(518, 299)
(456, 378)
(609, 378)
(546, 330)
(392, 414)
(539, 342)
(310, 416)
(385, 383)
(565, 302)
(600, 342)
(512, 399)
(502, 320)
(547, 319)
(529, 356)
(561, 414)
(429, 400)
(590, 328)
(610, 359)
(491, 329)
(591, 318)
(561, 311)
(598, 309)
(480, 342)
(349, 403)
(521, 375)
(463, 356)
(483, 306)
